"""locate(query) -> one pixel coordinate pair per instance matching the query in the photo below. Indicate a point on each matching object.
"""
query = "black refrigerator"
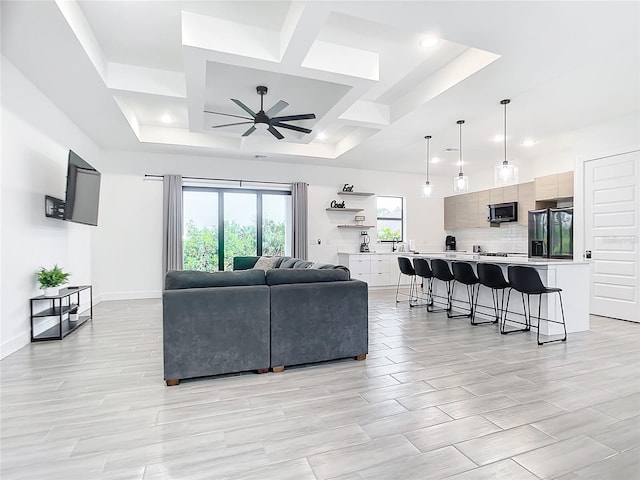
(551, 233)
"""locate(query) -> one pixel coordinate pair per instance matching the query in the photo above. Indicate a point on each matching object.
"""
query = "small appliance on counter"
(477, 249)
(450, 242)
(364, 241)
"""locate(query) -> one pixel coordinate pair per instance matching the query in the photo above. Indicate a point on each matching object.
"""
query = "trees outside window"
(390, 221)
(220, 224)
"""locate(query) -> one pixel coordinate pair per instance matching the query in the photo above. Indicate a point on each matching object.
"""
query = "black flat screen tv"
(83, 191)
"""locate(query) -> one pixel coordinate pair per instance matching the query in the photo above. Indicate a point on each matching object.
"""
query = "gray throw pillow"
(267, 263)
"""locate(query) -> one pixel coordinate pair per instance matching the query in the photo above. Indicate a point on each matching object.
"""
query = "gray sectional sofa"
(293, 313)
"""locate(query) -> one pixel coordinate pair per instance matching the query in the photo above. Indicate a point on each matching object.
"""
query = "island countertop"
(511, 260)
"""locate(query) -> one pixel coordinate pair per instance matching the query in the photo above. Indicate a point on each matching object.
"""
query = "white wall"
(127, 244)
(36, 138)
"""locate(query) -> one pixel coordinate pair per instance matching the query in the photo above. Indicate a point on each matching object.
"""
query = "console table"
(66, 306)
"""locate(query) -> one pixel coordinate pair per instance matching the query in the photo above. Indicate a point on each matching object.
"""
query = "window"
(390, 219)
(220, 224)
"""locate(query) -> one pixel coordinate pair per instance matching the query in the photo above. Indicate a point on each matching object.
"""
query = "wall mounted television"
(83, 191)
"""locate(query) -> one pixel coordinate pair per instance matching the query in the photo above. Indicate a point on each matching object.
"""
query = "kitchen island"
(569, 275)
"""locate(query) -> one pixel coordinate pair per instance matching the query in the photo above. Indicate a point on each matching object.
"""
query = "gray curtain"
(300, 220)
(171, 223)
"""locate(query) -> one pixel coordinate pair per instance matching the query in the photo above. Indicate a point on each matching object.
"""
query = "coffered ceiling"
(140, 74)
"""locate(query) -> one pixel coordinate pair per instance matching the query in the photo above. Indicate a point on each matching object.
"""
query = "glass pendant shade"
(505, 174)
(460, 181)
(427, 188)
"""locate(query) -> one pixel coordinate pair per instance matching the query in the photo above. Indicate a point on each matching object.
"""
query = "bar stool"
(463, 273)
(423, 270)
(442, 272)
(491, 276)
(407, 269)
(526, 280)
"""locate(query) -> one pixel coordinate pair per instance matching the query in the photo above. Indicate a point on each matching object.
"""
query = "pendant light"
(505, 174)
(427, 188)
(460, 181)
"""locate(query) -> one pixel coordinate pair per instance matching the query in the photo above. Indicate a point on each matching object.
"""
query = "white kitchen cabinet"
(378, 270)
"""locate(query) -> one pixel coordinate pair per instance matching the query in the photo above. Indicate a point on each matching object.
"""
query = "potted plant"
(50, 280)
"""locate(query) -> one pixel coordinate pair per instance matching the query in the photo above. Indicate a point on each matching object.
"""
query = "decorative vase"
(51, 291)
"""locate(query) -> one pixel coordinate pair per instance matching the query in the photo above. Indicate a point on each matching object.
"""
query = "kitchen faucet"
(393, 245)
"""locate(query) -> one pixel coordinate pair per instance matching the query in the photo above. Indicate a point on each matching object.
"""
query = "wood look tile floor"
(436, 398)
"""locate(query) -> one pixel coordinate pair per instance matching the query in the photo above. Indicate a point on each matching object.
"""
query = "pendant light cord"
(460, 122)
(505, 133)
(505, 102)
(428, 138)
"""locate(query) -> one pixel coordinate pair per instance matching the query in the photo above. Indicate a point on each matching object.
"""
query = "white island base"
(571, 276)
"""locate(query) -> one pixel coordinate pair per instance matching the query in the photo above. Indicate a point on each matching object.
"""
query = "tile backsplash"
(510, 238)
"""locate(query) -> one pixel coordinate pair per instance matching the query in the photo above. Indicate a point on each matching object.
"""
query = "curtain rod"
(146, 175)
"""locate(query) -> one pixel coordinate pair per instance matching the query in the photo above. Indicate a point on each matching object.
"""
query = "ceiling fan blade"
(249, 132)
(291, 127)
(244, 107)
(275, 133)
(289, 118)
(276, 108)
(229, 124)
(227, 114)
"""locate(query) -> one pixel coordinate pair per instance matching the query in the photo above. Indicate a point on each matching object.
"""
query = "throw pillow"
(267, 263)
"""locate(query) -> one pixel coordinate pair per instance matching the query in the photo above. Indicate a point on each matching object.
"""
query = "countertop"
(514, 260)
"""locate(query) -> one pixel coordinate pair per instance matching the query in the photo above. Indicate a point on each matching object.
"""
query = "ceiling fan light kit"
(460, 181)
(265, 120)
(505, 174)
(427, 188)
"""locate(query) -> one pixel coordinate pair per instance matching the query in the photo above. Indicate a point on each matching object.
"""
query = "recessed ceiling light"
(498, 138)
(429, 41)
(166, 118)
(322, 136)
(435, 160)
(528, 142)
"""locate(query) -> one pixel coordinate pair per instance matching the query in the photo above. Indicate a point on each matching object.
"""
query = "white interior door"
(612, 207)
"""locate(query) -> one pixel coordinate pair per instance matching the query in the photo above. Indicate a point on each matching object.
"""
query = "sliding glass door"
(220, 224)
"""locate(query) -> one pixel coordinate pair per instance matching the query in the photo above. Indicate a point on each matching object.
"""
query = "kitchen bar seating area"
(489, 295)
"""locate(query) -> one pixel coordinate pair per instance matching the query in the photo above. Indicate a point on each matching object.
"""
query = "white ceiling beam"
(461, 68)
(145, 80)
(301, 28)
(72, 13)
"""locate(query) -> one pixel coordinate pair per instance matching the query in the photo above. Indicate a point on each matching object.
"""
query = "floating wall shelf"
(345, 209)
(361, 194)
(356, 226)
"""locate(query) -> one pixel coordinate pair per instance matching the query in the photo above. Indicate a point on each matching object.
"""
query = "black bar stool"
(463, 273)
(423, 270)
(442, 272)
(407, 269)
(491, 276)
(526, 280)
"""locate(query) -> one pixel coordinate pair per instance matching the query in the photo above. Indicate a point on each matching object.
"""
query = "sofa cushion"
(267, 263)
(288, 262)
(302, 264)
(244, 263)
(193, 279)
(305, 275)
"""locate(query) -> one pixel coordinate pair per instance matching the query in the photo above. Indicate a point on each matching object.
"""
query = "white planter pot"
(51, 291)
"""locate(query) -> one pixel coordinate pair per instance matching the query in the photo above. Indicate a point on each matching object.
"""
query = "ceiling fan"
(265, 120)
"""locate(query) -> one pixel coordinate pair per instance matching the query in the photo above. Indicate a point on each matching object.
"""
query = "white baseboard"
(105, 297)
(16, 343)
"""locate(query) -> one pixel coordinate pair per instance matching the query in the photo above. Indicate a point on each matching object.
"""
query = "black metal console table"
(65, 306)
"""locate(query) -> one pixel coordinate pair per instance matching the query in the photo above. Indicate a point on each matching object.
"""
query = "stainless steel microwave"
(502, 212)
